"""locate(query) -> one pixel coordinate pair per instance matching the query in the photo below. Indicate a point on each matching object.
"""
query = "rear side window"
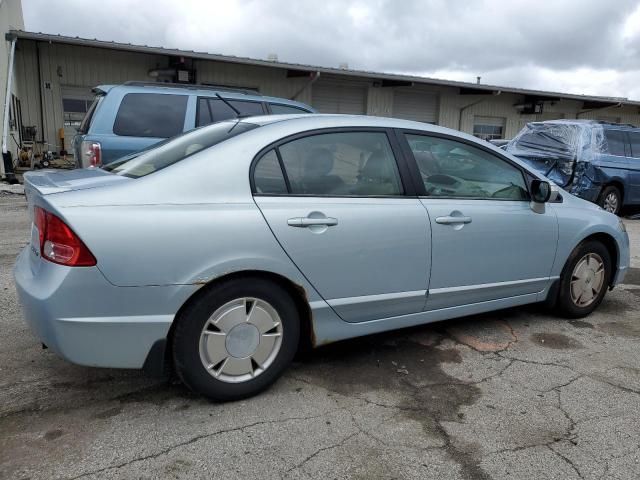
(634, 138)
(341, 164)
(268, 177)
(285, 109)
(150, 115)
(212, 110)
(615, 142)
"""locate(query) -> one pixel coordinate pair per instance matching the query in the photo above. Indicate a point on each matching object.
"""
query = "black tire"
(604, 200)
(565, 304)
(186, 340)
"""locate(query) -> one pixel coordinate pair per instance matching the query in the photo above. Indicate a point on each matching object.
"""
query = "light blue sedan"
(222, 251)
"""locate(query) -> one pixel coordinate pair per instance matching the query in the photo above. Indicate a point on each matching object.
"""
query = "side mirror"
(540, 191)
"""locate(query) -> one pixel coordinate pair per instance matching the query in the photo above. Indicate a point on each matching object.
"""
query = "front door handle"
(303, 222)
(451, 220)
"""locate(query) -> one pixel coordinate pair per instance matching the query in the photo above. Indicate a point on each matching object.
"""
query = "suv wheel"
(236, 339)
(611, 199)
(584, 280)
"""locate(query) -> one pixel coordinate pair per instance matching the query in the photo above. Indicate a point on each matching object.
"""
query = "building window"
(74, 111)
(489, 128)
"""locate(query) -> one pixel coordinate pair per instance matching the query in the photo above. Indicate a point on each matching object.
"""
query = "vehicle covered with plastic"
(597, 161)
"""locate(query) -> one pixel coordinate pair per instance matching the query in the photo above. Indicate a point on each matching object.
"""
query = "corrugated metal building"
(55, 74)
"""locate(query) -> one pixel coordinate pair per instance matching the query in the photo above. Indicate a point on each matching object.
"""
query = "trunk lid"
(41, 183)
(46, 182)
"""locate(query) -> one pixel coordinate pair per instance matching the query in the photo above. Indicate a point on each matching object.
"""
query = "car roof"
(198, 90)
(585, 123)
(327, 120)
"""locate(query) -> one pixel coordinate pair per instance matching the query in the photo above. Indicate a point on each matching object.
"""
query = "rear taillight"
(91, 153)
(58, 243)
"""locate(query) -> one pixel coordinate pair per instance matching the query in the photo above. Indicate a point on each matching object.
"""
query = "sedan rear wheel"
(241, 340)
(236, 338)
(584, 279)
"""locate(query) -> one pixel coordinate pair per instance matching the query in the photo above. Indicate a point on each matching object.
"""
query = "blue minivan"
(594, 160)
(127, 118)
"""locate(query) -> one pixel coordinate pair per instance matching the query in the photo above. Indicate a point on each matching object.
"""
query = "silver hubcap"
(587, 280)
(240, 340)
(611, 203)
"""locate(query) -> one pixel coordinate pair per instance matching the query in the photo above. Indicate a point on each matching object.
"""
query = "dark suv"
(127, 118)
(597, 161)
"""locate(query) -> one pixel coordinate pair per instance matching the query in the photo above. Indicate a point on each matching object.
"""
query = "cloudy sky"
(577, 46)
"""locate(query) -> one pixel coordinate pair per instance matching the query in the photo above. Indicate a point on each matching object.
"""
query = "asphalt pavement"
(517, 394)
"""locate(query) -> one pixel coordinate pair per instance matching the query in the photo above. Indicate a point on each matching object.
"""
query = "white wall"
(10, 19)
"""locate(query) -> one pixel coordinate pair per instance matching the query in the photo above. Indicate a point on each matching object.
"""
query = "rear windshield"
(175, 149)
(86, 121)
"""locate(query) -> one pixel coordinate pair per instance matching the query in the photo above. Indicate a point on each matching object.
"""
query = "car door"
(634, 167)
(614, 160)
(336, 202)
(487, 242)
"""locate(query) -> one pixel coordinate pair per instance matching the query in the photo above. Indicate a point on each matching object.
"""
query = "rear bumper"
(86, 320)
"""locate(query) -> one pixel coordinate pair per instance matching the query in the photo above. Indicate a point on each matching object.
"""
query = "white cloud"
(581, 46)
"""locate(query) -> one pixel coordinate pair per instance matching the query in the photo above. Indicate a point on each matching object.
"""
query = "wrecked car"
(596, 161)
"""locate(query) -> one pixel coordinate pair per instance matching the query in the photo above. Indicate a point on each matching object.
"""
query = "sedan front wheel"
(236, 339)
(584, 279)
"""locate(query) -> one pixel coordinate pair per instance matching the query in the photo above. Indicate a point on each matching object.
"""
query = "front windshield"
(175, 149)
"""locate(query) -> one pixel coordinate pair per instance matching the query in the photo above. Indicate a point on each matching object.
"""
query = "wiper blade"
(228, 104)
(234, 125)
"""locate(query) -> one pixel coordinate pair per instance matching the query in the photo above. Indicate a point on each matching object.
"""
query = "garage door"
(75, 103)
(418, 106)
(339, 98)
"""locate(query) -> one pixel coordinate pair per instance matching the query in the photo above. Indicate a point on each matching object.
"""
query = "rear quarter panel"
(186, 224)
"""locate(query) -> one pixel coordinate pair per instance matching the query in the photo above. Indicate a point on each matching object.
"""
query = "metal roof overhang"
(296, 69)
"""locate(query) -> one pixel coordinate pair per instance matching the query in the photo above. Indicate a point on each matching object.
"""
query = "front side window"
(154, 115)
(615, 142)
(454, 169)
(341, 164)
(211, 110)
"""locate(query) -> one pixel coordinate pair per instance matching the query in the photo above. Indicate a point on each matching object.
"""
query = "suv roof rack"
(602, 122)
(193, 86)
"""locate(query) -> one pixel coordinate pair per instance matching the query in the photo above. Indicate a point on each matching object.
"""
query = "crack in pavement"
(320, 450)
(566, 460)
(196, 439)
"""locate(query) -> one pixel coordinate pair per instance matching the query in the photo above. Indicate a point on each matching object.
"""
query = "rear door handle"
(303, 222)
(451, 220)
